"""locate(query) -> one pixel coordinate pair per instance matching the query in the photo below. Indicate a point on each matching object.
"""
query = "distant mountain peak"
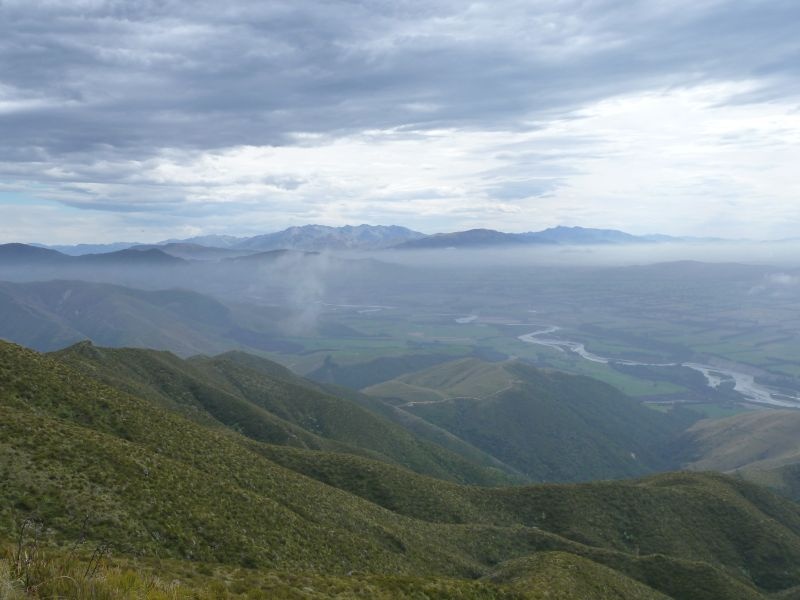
(212, 240)
(24, 253)
(132, 256)
(364, 237)
(561, 234)
(324, 237)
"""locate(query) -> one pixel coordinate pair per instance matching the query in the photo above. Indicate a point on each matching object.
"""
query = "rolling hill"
(129, 257)
(22, 255)
(189, 251)
(762, 439)
(550, 426)
(322, 237)
(472, 238)
(54, 314)
(371, 372)
(579, 236)
(761, 446)
(584, 235)
(90, 461)
(266, 402)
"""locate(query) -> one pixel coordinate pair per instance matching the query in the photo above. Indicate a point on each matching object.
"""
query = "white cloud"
(677, 117)
(679, 161)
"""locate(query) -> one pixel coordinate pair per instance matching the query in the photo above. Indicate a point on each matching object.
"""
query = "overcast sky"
(148, 119)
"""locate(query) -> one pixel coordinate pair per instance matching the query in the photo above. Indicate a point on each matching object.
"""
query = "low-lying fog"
(762, 253)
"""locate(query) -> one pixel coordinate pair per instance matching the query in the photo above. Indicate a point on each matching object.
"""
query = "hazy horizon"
(92, 241)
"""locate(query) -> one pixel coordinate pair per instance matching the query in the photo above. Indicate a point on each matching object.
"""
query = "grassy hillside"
(426, 430)
(153, 481)
(375, 371)
(761, 446)
(89, 461)
(266, 402)
(462, 378)
(763, 439)
(560, 575)
(419, 428)
(550, 426)
(630, 519)
(546, 576)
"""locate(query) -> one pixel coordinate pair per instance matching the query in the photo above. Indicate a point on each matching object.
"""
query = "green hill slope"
(419, 427)
(559, 575)
(463, 378)
(374, 371)
(704, 519)
(266, 402)
(158, 484)
(152, 480)
(761, 446)
(754, 440)
(550, 426)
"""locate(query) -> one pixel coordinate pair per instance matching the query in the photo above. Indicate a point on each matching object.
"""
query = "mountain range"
(378, 237)
(51, 315)
(307, 237)
(23, 255)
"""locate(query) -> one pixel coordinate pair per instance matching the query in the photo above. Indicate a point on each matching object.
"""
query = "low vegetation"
(131, 497)
(547, 425)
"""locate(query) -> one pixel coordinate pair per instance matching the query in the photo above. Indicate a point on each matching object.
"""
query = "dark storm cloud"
(112, 105)
(140, 76)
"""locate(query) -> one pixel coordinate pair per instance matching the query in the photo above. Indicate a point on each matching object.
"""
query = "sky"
(152, 119)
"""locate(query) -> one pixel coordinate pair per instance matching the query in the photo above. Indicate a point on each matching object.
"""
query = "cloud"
(152, 75)
(199, 109)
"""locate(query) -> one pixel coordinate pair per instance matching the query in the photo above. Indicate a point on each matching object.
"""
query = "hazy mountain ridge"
(305, 237)
(561, 235)
(49, 315)
(54, 314)
(149, 268)
(80, 249)
(378, 237)
(321, 237)
(192, 251)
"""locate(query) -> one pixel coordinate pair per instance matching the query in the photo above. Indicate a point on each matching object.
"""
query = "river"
(744, 383)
